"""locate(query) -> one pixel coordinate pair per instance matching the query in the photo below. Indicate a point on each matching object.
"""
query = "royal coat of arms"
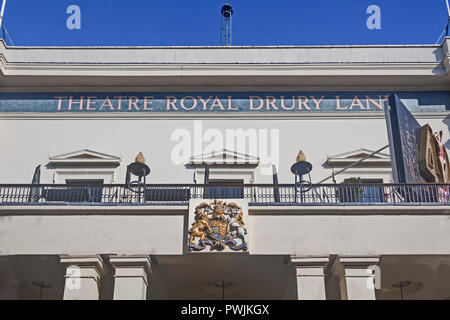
(218, 224)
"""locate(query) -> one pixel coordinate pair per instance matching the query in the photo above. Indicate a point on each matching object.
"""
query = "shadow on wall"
(447, 122)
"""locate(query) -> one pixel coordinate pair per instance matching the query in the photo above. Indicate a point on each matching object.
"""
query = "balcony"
(256, 194)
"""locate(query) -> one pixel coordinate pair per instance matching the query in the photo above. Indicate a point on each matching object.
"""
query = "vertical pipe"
(206, 182)
(2, 11)
(448, 14)
(231, 28)
(276, 190)
(221, 33)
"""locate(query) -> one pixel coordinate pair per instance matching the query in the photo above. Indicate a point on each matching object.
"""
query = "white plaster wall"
(305, 234)
(26, 143)
(124, 234)
(350, 235)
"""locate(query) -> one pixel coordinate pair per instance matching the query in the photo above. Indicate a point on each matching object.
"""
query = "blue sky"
(197, 22)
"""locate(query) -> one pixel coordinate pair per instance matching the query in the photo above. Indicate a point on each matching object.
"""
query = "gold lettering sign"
(433, 158)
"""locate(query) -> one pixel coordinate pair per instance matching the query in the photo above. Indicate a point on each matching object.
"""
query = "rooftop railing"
(256, 194)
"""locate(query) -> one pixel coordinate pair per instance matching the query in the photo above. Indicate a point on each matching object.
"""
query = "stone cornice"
(301, 210)
(213, 115)
(330, 70)
(396, 65)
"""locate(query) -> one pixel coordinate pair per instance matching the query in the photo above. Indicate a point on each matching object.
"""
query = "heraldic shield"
(218, 225)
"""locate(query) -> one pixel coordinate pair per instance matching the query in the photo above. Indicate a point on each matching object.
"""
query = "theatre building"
(288, 172)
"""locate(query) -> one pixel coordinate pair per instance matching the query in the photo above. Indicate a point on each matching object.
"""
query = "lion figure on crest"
(200, 227)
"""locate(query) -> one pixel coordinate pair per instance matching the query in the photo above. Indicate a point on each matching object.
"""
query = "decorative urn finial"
(301, 156)
(140, 158)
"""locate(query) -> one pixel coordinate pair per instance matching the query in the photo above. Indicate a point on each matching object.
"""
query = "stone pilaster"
(131, 277)
(310, 277)
(360, 277)
(83, 277)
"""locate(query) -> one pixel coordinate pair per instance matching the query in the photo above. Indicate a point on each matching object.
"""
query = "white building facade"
(75, 225)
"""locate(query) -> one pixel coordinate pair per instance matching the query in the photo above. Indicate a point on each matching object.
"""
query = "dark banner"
(223, 102)
(404, 139)
(200, 309)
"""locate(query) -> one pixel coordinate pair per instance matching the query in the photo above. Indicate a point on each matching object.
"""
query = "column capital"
(131, 266)
(310, 266)
(358, 266)
(359, 262)
(87, 260)
(91, 266)
(309, 261)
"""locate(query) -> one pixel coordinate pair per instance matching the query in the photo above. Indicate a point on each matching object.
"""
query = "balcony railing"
(256, 194)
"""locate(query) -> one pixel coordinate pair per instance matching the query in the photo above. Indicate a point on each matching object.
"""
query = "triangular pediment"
(361, 153)
(380, 158)
(224, 157)
(84, 156)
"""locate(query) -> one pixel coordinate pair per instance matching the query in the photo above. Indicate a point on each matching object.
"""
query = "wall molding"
(426, 115)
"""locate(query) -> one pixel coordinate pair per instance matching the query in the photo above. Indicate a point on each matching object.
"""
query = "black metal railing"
(256, 194)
